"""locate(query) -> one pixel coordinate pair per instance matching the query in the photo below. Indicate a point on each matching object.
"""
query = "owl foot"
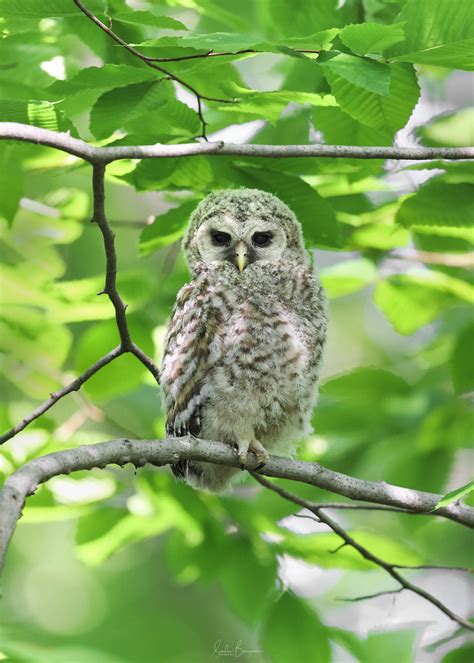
(244, 446)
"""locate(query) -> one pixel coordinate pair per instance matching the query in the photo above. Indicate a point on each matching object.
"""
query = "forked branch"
(110, 288)
(150, 63)
(348, 540)
(25, 480)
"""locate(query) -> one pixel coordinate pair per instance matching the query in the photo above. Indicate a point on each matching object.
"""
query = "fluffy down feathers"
(243, 348)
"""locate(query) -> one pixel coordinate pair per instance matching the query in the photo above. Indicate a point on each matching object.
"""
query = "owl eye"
(220, 239)
(262, 239)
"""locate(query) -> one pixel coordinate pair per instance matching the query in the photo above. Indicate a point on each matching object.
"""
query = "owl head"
(242, 227)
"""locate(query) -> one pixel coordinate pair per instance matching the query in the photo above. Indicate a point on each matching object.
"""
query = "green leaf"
(390, 646)
(166, 228)
(244, 569)
(365, 38)
(455, 172)
(193, 173)
(412, 300)
(11, 181)
(349, 641)
(37, 113)
(171, 121)
(379, 236)
(315, 214)
(217, 41)
(126, 530)
(77, 300)
(455, 495)
(318, 549)
(437, 32)
(29, 9)
(463, 654)
(319, 41)
(339, 128)
(270, 105)
(385, 113)
(462, 362)
(347, 277)
(438, 203)
(108, 77)
(363, 384)
(293, 632)
(148, 19)
(124, 373)
(33, 361)
(363, 72)
(446, 426)
(449, 130)
(21, 651)
(121, 105)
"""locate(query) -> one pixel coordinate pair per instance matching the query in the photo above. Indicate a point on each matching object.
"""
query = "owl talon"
(243, 447)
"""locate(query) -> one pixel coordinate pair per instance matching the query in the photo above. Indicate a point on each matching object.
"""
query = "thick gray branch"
(98, 155)
(24, 481)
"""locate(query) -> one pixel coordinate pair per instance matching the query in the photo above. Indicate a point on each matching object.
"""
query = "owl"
(243, 347)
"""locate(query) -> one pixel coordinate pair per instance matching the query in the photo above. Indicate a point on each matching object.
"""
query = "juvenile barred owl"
(243, 347)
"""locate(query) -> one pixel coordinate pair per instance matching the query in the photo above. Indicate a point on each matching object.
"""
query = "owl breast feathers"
(244, 344)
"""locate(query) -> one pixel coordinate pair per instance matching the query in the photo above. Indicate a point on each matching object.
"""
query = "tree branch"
(150, 63)
(214, 54)
(364, 552)
(372, 507)
(56, 396)
(360, 507)
(110, 288)
(25, 480)
(103, 155)
(354, 599)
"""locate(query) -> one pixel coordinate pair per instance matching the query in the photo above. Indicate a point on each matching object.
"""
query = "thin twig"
(110, 288)
(213, 54)
(364, 552)
(79, 148)
(433, 567)
(56, 396)
(354, 599)
(149, 62)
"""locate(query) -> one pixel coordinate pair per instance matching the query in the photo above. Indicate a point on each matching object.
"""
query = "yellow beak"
(241, 256)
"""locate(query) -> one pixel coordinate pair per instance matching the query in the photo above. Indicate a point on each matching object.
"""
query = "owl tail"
(187, 471)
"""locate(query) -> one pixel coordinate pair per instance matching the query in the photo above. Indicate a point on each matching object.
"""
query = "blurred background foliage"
(119, 566)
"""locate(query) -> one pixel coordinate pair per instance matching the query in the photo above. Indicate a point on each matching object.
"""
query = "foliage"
(393, 401)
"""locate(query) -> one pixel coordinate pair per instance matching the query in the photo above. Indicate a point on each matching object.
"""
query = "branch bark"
(110, 288)
(348, 540)
(56, 396)
(150, 63)
(103, 155)
(25, 481)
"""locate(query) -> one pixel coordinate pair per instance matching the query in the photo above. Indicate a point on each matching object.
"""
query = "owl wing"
(192, 348)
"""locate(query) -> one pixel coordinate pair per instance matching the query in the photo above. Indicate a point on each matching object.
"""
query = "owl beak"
(241, 256)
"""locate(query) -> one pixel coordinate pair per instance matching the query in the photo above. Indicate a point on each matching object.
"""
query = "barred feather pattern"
(242, 358)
